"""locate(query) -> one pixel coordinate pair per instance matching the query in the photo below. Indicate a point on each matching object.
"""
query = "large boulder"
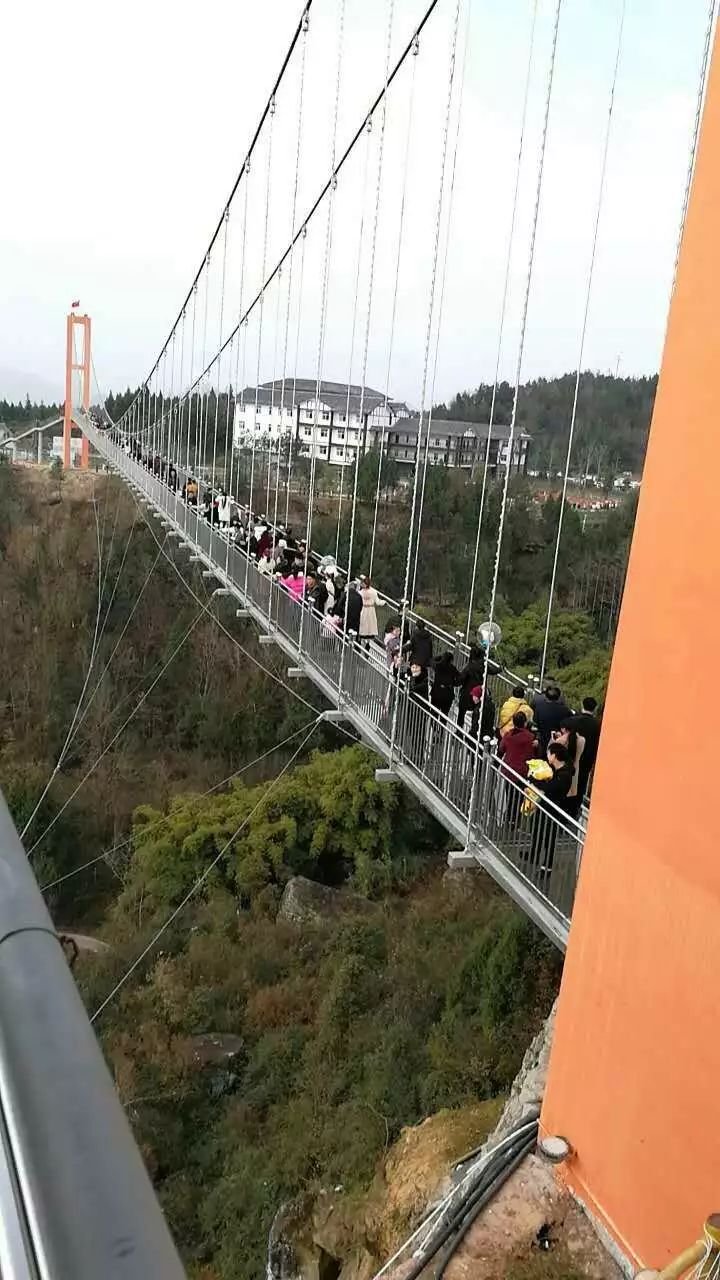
(305, 902)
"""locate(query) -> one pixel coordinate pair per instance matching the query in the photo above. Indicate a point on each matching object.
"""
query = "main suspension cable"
(328, 185)
(299, 29)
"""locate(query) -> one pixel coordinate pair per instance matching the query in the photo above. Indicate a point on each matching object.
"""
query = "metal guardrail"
(75, 1199)
(535, 857)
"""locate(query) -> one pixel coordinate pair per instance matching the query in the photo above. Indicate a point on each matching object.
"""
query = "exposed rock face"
(340, 1237)
(528, 1086)
(336, 1237)
(215, 1048)
(304, 902)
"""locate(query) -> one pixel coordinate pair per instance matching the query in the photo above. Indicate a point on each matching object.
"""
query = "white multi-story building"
(337, 423)
(343, 419)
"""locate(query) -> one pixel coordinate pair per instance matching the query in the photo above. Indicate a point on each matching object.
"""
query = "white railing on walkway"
(535, 855)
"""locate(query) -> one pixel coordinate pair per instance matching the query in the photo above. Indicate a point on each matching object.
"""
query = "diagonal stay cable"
(203, 877)
(188, 631)
(123, 844)
(74, 721)
(120, 638)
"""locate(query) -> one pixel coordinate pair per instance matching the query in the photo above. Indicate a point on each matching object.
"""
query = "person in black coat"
(557, 790)
(587, 725)
(354, 608)
(471, 675)
(420, 646)
(549, 711)
(446, 678)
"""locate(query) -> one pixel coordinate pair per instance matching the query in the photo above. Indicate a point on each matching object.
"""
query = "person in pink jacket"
(295, 583)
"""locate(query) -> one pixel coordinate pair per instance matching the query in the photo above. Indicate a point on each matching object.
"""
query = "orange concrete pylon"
(634, 1082)
(73, 364)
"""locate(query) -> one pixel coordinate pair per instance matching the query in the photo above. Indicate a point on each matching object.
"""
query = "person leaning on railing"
(556, 790)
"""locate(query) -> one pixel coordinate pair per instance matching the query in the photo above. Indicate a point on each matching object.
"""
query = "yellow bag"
(539, 770)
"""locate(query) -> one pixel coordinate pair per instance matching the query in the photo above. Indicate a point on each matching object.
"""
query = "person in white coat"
(368, 617)
(224, 506)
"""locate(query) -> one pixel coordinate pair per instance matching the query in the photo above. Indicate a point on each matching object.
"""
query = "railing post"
(457, 650)
(478, 793)
(348, 638)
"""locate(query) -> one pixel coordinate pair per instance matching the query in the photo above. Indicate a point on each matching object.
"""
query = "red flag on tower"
(75, 304)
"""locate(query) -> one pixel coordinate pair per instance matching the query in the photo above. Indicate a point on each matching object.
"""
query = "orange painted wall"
(635, 1070)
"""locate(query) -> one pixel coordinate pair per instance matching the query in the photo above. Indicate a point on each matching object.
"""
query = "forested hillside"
(257, 1056)
(613, 419)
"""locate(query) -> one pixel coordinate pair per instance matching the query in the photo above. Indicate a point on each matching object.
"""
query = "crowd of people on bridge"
(527, 727)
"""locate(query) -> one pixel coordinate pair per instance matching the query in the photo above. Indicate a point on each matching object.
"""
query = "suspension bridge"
(260, 301)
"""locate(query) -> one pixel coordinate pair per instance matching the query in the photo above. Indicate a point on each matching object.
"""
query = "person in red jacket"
(516, 747)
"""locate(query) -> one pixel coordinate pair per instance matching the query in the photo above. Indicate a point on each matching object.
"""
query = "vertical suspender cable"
(426, 359)
(356, 304)
(272, 392)
(371, 281)
(303, 242)
(181, 399)
(441, 304)
(323, 301)
(583, 333)
(393, 315)
(293, 228)
(503, 311)
(200, 453)
(219, 368)
(516, 393)
(241, 335)
(268, 178)
(190, 398)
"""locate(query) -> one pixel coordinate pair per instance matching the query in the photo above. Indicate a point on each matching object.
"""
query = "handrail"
(534, 855)
(455, 644)
(701, 1258)
(75, 1198)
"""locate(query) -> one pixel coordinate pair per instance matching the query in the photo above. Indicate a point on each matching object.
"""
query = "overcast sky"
(111, 192)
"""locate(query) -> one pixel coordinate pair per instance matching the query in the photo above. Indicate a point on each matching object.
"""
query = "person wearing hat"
(473, 722)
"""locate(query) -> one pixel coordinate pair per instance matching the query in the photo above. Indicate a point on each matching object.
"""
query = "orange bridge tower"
(634, 1082)
(77, 326)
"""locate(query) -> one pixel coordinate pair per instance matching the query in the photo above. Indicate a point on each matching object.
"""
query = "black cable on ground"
(480, 1203)
(476, 1151)
(498, 1168)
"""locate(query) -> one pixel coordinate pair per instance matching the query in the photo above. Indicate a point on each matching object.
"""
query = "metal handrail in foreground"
(533, 856)
(75, 1198)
